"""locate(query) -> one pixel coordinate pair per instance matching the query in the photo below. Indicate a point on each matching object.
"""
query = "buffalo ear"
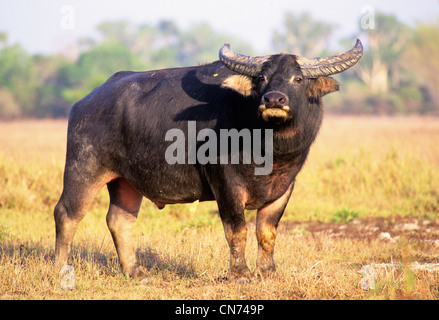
(321, 86)
(239, 83)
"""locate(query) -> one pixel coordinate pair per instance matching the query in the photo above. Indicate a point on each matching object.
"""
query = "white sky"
(37, 24)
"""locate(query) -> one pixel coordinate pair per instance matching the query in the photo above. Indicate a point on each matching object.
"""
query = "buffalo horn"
(249, 66)
(321, 67)
(311, 68)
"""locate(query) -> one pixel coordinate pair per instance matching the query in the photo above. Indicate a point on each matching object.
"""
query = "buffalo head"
(285, 83)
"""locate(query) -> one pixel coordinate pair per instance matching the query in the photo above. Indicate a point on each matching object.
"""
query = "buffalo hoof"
(265, 273)
(242, 277)
(139, 273)
(242, 280)
(237, 280)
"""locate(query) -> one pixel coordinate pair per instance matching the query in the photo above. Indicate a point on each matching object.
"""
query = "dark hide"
(116, 137)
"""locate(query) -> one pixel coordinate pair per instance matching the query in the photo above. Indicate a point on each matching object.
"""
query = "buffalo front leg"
(235, 230)
(267, 221)
(124, 205)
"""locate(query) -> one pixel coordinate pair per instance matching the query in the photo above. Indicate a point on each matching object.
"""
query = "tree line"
(397, 75)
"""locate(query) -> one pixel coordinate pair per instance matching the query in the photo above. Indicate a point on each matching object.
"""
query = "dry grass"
(358, 168)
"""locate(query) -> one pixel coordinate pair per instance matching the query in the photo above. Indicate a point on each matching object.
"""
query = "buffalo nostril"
(275, 99)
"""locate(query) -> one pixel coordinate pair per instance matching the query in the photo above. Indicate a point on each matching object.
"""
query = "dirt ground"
(386, 229)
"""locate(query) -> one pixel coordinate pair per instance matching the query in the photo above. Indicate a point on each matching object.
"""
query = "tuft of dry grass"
(358, 168)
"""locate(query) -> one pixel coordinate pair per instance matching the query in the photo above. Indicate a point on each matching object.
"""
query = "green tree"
(94, 67)
(380, 66)
(48, 100)
(47, 86)
(421, 60)
(18, 76)
(200, 44)
(302, 35)
(121, 32)
(3, 39)
(9, 108)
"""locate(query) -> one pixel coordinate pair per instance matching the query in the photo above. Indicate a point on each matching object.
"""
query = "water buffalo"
(141, 134)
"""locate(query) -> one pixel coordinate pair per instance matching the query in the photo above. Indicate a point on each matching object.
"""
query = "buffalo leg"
(69, 211)
(267, 220)
(124, 205)
(235, 230)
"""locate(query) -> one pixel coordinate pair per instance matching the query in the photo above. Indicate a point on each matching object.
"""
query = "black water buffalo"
(142, 134)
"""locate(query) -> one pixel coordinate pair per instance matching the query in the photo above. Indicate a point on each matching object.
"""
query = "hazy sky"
(40, 25)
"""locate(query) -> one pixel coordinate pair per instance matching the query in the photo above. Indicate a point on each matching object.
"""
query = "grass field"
(363, 176)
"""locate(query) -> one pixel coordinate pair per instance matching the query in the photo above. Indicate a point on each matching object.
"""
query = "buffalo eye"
(261, 78)
(298, 79)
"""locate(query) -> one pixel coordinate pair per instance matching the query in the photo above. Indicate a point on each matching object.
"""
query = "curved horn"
(249, 66)
(320, 67)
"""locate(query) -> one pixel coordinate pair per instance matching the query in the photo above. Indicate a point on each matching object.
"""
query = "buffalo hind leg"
(124, 205)
(69, 211)
(267, 220)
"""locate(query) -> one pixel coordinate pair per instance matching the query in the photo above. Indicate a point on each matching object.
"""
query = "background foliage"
(398, 74)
